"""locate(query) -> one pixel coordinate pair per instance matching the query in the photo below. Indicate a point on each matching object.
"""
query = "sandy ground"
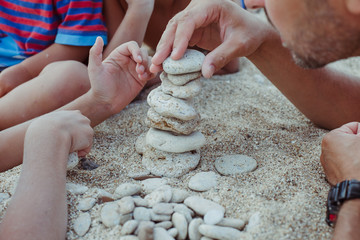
(242, 113)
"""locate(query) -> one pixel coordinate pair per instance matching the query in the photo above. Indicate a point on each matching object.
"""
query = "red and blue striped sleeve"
(81, 22)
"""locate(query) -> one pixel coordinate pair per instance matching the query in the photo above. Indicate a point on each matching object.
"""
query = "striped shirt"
(29, 26)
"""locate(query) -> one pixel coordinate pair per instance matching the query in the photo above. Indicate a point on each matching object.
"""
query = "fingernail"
(142, 68)
(139, 58)
(174, 52)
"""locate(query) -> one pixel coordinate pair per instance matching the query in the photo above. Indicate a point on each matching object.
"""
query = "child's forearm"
(133, 26)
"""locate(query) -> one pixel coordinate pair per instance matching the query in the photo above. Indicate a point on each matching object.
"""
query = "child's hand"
(65, 127)
(118, 79)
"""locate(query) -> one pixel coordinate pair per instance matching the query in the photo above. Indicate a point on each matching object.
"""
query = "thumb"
(95, 56)
(218, 58)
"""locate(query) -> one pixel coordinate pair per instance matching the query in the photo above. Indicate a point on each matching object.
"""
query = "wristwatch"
(348, 189)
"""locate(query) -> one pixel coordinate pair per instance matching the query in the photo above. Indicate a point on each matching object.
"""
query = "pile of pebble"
(164, 213)
(171, 146)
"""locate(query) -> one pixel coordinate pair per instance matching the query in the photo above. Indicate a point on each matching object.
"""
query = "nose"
(252, 4)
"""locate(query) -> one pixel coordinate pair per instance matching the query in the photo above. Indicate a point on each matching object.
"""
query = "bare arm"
(133, 26)
(347, 226)
(32, 66)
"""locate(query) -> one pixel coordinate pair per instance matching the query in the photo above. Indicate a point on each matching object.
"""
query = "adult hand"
(340, 156)
(69, 127)
(221, 26)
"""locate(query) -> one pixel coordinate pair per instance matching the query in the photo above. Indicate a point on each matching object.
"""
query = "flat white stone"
(213, 217)
(155, 120)
(129, 227)
(189, 90)
(126, 205)
(73, 160)
(203, 181)
(86, 204)
(201, 206)
(180, 224)
(191, 61)
(162, 234)
(125, 217)
(232, 222)
(184, 210)
(217, 232)
(194, 233)
(129, 237)
(110, 214)
(173, 232)
(145, 231)
(181, 79)
(162, 194)
(140, 202)
(164, 224)
(159, 217)
(163, 208)
(151, 184)
(179, 195)
(76, 188)
(140, 143)
(166, 164)
(168, 142)
(170, 106)
(235, 164)
(82, 224)
(126, 189)
(142, 214)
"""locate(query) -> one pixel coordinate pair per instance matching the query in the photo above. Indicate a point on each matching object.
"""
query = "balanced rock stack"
(172, 145)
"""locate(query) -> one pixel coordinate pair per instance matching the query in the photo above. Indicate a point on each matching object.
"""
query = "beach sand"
(241, 113)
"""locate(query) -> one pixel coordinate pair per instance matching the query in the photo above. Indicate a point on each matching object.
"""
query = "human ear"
(353, 6)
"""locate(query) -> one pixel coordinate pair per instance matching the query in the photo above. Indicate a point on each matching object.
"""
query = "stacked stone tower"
(172, 144)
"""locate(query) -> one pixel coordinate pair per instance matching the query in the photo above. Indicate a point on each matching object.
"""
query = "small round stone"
(217, 232)
(213, 217)
(140, 143)
(126, 205)
(168, 142)
(169, 106)
(76, 188)
(179, 195)
(181, 79)
(149, 185)
(126, 189)
(142, 214)
(203, 181)
(73, 160)
(232, 222)
(180, 224)
(110, 214)
(235, 164)
(162, 194)
(194, 233)
(162, 234)
(82, 224)
(86, 204)
(201, 205)
(163, 208)
(129, 227)
(166, 164)
(191, 61)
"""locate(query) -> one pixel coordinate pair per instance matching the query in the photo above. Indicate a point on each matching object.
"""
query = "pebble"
(203, 181)
(129, 237)
(87, 164)
(180, 224)
(179, 195)
(151, 184)
(166, 164)
(162, 194)
(4, 196)
(164, 224)
(76, 188)
(159, 217)
(140, 202)
(86, 204)
(217, 232)
(173, 232)
(163, 208)
(181, 79)
(168, 142)
(82, 224)
(194, 233)
(162, 234)
(142, 214)
(73, 160)
(189, 90)
(125, 217)
(126, 189)
(126, 205)
(191, 61)
(129, 227)
(254, 221)
(235, 164)
(213, 217)
(201, 206)
(170, 106)
(110, 215)
(155, 120)
(184, 210)
(232, 222)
